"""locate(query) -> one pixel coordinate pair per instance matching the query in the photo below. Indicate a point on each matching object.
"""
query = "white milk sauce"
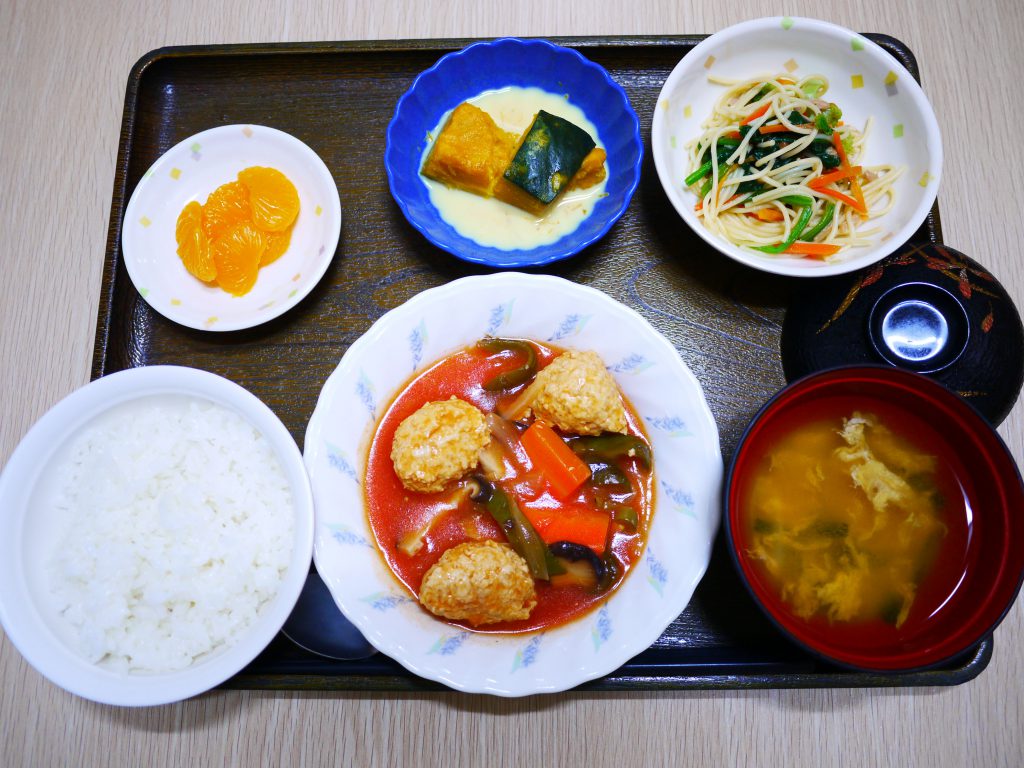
(496, 224)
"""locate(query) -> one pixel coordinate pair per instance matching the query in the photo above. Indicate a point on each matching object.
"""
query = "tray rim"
(975, 659)
(297, 679)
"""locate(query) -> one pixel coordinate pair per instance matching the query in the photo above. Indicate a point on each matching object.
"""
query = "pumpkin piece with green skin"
(549, 155)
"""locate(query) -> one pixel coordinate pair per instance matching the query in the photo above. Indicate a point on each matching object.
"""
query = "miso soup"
(857, 518)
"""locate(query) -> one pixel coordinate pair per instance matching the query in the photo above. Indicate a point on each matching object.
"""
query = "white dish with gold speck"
(864, 80)
(191, 170)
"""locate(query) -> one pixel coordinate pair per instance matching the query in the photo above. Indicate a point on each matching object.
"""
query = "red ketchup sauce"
(393, 511)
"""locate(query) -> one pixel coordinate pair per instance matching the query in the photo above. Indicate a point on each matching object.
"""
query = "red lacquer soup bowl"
(908, 559)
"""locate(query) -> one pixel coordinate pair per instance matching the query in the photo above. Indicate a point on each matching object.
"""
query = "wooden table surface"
(64, 69)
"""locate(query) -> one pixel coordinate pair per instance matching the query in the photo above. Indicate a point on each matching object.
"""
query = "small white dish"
(688, 478)
(27, 487)
(191, 170)
(864, 80)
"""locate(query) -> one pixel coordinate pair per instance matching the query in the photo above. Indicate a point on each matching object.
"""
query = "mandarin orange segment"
(193, 245)
(227, 206)
(237, 256)
(243, 225)
(277, 243)
(273, 198)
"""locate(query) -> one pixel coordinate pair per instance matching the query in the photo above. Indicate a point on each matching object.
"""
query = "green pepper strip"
(627, 516)
(794, 233)
(722, 168)
(611, 446)
(697, 175)
(609, 476)
(826, 218)
(797, 201)
(611, 571)
(520, 533)
(705, 169)
(516, 376)
(555, 567)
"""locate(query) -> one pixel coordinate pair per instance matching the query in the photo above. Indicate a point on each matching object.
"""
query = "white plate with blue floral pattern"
(688, 477)
(191, 170)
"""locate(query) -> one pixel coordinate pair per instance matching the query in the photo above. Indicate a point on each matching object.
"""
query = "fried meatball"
(481, 582)
(578, 395)
(438, 443)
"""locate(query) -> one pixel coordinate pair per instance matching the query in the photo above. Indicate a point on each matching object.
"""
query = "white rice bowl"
(159, 528)
(687, 466)
(173, 532)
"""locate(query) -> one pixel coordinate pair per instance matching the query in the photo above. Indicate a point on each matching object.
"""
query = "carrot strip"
(858, 194)
(756, 113)
(813, 249)
(837, 142)
(839, 196)
(721, 183)
(776, 128)
(732, 135)
(829, 178)
(700, 203)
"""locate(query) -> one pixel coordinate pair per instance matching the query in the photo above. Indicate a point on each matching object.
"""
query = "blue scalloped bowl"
(488, 65)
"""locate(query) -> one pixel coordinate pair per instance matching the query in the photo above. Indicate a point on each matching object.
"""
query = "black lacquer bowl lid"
(926, 308)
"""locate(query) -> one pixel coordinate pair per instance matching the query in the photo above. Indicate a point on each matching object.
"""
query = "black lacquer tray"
(725, 319)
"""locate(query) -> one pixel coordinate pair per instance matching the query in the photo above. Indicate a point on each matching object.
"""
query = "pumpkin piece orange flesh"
(471, 152)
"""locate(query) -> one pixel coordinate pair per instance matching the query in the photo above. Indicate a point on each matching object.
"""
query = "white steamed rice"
(179, 529)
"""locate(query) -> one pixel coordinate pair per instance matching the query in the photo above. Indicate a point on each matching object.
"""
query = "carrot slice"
(776, 128)
(548, 453)
(574, 522)
(821, 250)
